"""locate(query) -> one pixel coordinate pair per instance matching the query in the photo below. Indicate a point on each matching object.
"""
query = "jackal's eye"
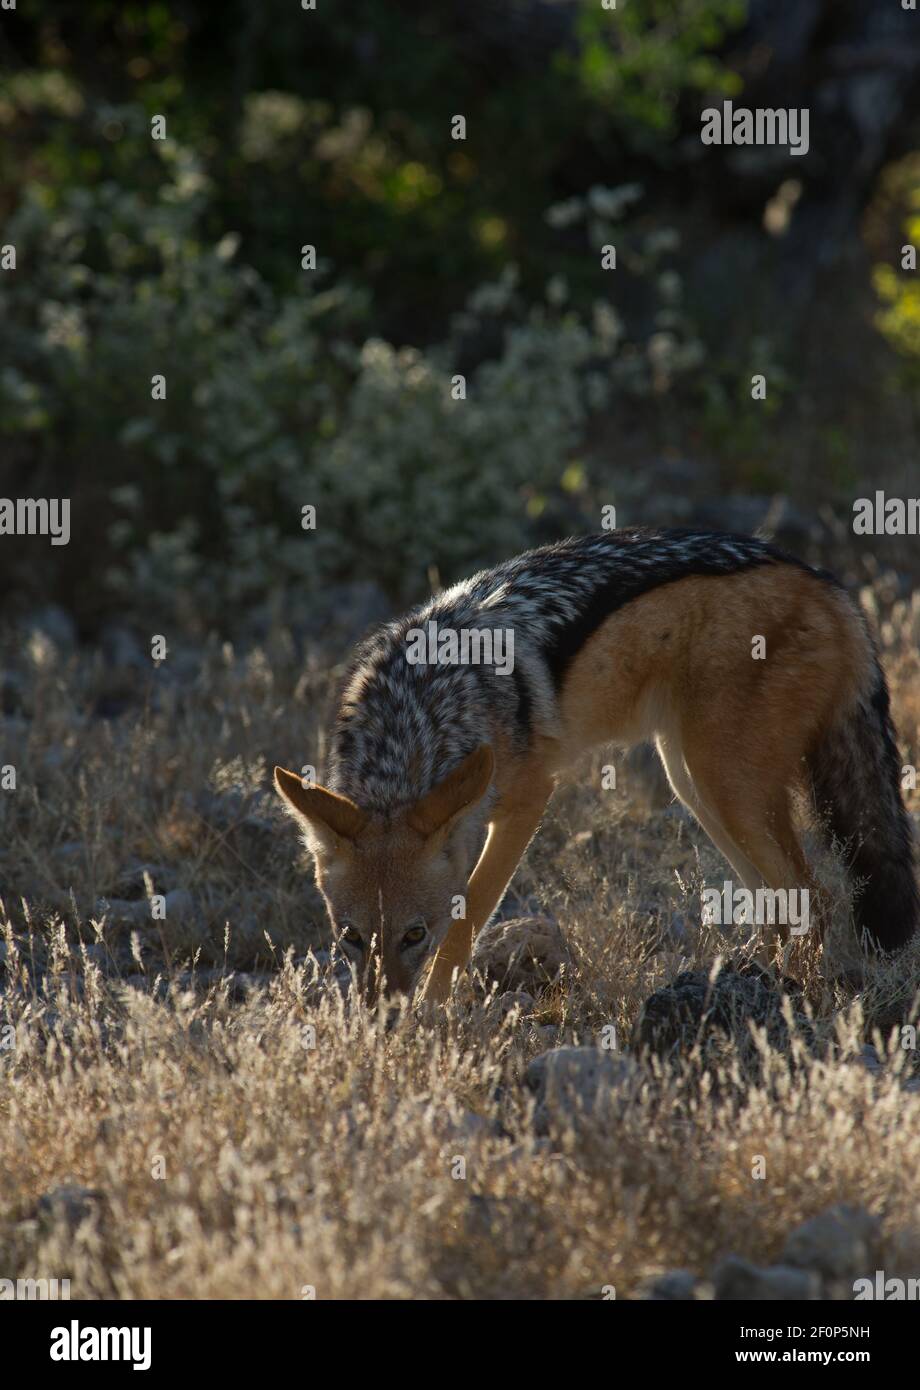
(351, 936)
(415, 934)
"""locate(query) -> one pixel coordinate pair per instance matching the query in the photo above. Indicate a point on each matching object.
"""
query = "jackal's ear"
(458, 792)
(328, 818)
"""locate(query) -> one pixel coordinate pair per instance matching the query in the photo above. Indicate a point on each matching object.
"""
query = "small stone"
(526, 953)
(179, 903)
(572, 1083)
(515, 999)
(675, 1286)
(734, 1278)
(837, 1243)
(694, 1006)
(131, 879)
(123, 910)
(868, 1057)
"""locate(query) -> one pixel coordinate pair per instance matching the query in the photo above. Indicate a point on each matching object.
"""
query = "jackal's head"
(391, 881)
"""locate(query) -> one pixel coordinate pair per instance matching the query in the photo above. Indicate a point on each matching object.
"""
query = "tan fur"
(675, 666)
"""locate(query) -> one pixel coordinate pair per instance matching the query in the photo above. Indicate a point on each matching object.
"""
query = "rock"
(130, 880)
(575, 1083)
(70, 1205)
(325, 971)
(176, 905)
(515, 905)
(123, 910)
(676, 1286)
(734, 1278)
(527, 953)
(838, 1243)
(674, 1018)
(868, 1057)
(515, 999)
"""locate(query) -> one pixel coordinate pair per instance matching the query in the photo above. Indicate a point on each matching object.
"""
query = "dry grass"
(248, 1133)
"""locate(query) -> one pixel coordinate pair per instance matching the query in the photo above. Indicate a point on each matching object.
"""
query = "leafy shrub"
(277, 401)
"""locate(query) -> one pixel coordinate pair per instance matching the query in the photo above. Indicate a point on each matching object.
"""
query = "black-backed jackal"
(752, 672)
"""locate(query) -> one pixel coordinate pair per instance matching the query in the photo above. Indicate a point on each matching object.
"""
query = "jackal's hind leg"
(748, 818)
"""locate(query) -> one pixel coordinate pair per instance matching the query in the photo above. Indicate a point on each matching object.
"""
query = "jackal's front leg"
(509, 835)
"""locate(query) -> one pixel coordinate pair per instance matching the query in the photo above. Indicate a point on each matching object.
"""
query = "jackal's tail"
(856, 776)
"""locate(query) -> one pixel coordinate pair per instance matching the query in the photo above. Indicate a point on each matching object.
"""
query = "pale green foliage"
(274, 402)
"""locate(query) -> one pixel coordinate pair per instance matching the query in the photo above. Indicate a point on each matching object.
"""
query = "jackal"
(753, 673)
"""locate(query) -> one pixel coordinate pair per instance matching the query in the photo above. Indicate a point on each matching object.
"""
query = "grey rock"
(868, 1057)
(130, 879)
(526, 953)
(574, 1084)
(838, 1243)
(515, 999)
(734, 1278)
(514, 905)
(693, 1005)
(134, 910)
(676, 1286)
(177, 905)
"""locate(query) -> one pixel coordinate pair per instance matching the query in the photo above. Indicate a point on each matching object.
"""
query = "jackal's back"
(400, 727)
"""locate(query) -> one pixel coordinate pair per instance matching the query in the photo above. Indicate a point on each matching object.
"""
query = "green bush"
(276, 402)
